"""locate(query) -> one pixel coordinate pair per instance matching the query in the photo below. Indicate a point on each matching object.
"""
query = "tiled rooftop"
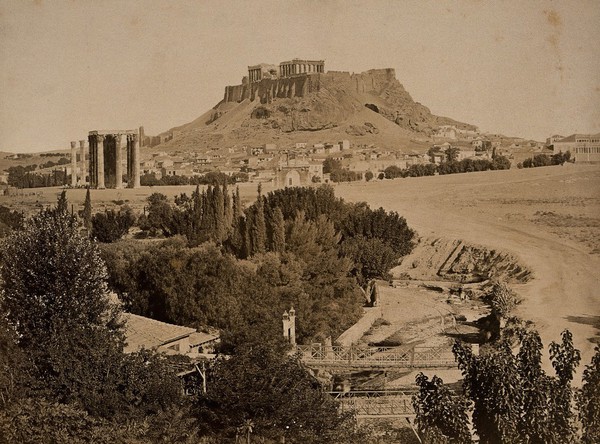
(141, 332)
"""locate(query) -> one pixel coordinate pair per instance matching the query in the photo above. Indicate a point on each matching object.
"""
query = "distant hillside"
(8, 160)
(367, 108)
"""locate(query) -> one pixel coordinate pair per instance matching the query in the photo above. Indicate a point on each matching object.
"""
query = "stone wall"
(267, 89)
(372, 80)
(302, 85)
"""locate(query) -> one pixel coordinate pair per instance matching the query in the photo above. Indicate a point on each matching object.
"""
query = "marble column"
(91, 144)
(129, 157)
(100, 161)
(136, 162)
(83, 167)
(119, 162)
(73, 164)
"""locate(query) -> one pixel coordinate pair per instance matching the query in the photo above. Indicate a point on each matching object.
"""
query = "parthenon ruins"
(286, 69)
(106, 160)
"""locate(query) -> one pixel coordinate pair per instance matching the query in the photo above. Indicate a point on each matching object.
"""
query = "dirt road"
(498, 209)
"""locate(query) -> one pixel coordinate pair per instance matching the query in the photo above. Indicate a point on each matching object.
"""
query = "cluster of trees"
(470, 165)
(373, 239)
(505, 391)
(50, 163)
(417, 170)
(64, 377)
(9, 220)
(361, 230)
(240, 269)
(51, 155)
(25, 177)
(338, 173)
(510, 397)
(61, 360)
(540, 160)
(112, 225)
(210, 178)
(345, 175)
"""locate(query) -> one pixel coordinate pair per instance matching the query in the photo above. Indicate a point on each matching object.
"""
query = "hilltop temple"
(286, 69)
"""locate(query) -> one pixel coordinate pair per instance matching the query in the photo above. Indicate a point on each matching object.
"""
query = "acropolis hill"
(299, 101)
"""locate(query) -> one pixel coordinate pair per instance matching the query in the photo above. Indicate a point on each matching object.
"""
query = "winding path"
(565, 291)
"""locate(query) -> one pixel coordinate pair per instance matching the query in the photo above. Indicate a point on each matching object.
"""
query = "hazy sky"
(524, 68)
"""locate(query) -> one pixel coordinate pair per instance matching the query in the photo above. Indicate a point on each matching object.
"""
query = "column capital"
(73, 145)
(82, 144)
(99, 138)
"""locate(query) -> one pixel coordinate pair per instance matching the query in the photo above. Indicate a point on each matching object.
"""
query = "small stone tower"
(289, 326)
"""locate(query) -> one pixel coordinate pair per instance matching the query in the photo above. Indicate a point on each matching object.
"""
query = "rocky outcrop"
(456, 261)
(319, 101)
(371, 107)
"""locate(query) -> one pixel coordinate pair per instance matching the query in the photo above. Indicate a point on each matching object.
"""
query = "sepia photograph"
(299, 221)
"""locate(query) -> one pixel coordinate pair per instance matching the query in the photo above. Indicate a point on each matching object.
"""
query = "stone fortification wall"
(267, 89)
(372, 80)
(302, 85)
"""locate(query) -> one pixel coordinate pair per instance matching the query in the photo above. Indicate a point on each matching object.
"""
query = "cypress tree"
(238, 227)
(195, 218)
(259, 228)
(218, 214)
(208, 218)
(228, 211)
(237, 204)
(86, 215)
(246, 229)
(278, 231)
(62, 205)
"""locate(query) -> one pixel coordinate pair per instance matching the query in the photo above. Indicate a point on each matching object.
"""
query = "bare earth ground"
(549, 218)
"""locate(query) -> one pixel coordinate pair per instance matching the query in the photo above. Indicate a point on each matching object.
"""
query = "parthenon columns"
(297, 66)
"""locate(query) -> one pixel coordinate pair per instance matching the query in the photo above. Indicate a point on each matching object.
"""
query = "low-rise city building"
(583, 147)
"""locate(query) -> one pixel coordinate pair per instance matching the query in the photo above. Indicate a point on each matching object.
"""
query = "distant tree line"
(416, 170)
(540, 160)
(210, 178)
(471, 165)
(450, 166)
(51, 155)
(26, 177)
(50, 163)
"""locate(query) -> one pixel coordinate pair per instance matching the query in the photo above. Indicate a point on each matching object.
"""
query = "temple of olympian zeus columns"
(105, 169)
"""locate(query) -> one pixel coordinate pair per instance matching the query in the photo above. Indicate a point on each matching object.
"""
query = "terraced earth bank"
(454, 260)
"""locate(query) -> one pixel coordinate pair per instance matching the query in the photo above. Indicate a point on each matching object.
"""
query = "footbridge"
(354, 356)
(376, 404)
